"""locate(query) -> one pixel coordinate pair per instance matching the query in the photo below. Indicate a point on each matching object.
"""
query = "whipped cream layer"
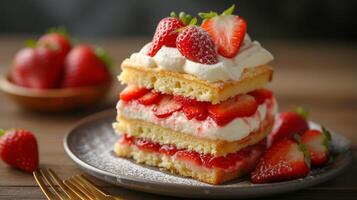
(233, 131)
(251, 54)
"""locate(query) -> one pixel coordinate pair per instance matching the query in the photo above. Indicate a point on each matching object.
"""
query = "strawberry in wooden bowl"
(53, 75)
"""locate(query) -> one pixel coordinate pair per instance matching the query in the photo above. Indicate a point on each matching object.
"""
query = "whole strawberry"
(18, 148)
(57, 38)
(318, 145)
(85, 66)
(167, 31)
(195, 44)
(285, 160)
(287, 124)
(38, 67)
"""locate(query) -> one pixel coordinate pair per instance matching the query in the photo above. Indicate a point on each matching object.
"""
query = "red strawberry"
(195, 44)
(261, 94)
(198, 112)
(226, 30)
(286, 125)
(132, 92)
(285, 160)
(58, 41)
(39, 67)
(166, 107)
(226, 111)
(191, 156)
(18, 148)
(187, 101)
(150, 98)
(318, 145)
(165, 34)
(85, 66)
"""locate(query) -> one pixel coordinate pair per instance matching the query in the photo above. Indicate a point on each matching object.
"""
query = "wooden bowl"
(54, 100)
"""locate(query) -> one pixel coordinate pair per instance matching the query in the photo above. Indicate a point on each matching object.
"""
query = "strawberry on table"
(18, 148)
(132, 92)
(285, 160)
(287, 124)
(196, 45)
(39, 67)
(166, 106)
(318, 145)
(239, 106)
(226, 30)
(85, 66)
(57, 39)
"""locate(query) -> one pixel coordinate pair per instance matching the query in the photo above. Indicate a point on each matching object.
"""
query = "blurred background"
(302, 19)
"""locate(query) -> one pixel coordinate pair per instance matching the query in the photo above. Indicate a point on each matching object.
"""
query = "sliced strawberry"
(127, 139)
(239, 106)
(286, 125)
(317, 144)
(168, 150)
(190, 156)
(166, 106)
(198, 112)
(132, 92)
(187, 101)
(261, 95)
(150, 98)
(226, 30)
(147, 145)
(285, 160)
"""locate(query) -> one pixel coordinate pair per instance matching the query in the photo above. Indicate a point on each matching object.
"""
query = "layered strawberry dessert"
(195, 102)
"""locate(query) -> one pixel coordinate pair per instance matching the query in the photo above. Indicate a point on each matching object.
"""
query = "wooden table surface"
(320, 76)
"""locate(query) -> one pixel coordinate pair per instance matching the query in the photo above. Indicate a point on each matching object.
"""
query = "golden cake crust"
(176, 83)
(161, 135)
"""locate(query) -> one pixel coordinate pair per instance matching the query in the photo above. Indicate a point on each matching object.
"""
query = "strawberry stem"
(229, 11)
(327, 138)
(103, 56)
(60, 30)
(300, 110)
(31, 43)
(2, 132)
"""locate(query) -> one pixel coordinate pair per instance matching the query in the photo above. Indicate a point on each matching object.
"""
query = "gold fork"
(62, 192)
(76, 187)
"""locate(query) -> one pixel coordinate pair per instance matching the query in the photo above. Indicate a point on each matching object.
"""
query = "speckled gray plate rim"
(89, 144)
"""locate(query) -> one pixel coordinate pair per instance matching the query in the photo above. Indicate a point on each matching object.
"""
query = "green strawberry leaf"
(60, 30)
(207, 15)
(2, 132)
(104, 57)
(327, 138)
(300, 110)
(229, 11)
(173, 14)
(31, 43)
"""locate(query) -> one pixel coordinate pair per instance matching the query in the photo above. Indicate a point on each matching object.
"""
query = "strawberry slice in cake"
(195, 103)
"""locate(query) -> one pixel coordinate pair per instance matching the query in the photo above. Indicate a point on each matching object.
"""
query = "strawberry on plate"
(318, 145)
(150, 98)
(196, 45)
(226, 30)
(39, 67)
(239, 106)
(85, 66)
(57, 39)
(133, 92)
(287, 124)
(285, 160)
(18, 148)
(166, 106)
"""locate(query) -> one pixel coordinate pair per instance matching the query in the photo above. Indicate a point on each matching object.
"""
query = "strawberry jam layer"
(245, 158)
(231, 120)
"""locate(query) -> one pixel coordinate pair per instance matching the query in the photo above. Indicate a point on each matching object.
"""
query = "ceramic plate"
(89, 144)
